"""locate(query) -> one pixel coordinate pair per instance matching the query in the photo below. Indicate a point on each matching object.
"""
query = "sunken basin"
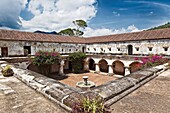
(85, 85)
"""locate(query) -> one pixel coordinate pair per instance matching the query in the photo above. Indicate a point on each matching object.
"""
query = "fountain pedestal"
(85, 85)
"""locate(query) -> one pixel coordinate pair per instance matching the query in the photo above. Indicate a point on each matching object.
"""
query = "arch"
(130, 49)
(67, 67)
(134, 66)
(118, 67)
(103, 65)
(91, 64)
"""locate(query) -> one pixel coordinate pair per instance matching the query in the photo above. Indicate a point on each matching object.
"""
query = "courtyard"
(153, 97)
(71, 79)
(84, 56)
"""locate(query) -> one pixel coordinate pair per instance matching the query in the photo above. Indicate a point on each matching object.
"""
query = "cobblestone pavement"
(16, 97)
(153, 97)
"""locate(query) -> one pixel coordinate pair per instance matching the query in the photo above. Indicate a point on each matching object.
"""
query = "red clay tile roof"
(143, 35)
(28, 36)
(11, 35)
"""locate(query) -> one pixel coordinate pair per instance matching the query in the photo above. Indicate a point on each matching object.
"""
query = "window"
(88, 49)
(94, 49)
(101, 49)
(165, 48)
(109, 49)
(118, 49)
(137, 48)
(76, 49)
(150, 48)
(62, 50)
(69, 49)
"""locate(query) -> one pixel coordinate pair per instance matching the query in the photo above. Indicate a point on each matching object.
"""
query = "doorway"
(27, 50)
(103, 65)
(84, 49)
(4, 51)
(130, 49)
(91, 64)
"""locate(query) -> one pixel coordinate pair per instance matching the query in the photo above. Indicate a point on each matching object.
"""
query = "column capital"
(62, 62)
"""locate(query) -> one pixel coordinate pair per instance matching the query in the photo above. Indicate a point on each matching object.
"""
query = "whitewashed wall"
(157, 47)
(17, 47)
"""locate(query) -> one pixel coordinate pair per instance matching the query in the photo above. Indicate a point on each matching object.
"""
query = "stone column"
(86, 66)
(110, 73)
(127, 71)
(61, 70)
(97, 69)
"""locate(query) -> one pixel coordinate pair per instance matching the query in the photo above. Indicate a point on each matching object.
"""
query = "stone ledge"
(65, 95)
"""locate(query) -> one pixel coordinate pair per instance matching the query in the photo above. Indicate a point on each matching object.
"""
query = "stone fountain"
(85, 84)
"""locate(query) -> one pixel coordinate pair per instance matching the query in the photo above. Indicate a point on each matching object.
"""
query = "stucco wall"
(16, 48)
(122, 47)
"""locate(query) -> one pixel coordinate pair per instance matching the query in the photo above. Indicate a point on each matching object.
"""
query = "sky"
(104, 17)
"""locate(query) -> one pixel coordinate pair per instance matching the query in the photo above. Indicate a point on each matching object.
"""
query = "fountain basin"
(83, 86)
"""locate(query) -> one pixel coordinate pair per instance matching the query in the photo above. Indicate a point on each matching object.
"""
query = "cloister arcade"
(98, 65)
(110, 66)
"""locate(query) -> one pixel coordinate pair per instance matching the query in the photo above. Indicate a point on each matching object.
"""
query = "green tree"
(74, 32)
(67, 32)
(167, 25)
(79, 24)
(76, 59)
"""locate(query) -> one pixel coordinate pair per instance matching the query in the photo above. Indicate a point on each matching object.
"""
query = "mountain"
(43, 32)
(167, 25)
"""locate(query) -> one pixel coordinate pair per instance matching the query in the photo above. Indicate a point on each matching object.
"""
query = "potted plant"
(7, 71)
(44, 60)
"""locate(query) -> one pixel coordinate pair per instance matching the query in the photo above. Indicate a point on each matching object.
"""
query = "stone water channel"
(65, 95)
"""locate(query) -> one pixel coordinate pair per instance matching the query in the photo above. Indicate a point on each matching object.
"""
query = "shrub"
(150, 61)
(42, 57)
(90, 105)
(77, 58)
(7, 71)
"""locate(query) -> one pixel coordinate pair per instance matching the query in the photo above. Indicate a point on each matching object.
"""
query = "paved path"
(153, 97)
(16, 97)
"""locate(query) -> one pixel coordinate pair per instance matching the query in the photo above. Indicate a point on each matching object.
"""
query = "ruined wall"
(139, 47)
(16, 48)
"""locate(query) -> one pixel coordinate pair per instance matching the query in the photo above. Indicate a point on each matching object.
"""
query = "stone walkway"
(153, 97)
(16, 97)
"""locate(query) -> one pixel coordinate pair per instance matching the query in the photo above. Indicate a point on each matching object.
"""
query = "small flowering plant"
(150, 61)
(90, 105)
(42, 57)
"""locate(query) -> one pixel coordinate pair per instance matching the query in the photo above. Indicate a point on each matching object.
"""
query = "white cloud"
(104, 31)
(9, 13)
(132, 28)
(58, 14)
